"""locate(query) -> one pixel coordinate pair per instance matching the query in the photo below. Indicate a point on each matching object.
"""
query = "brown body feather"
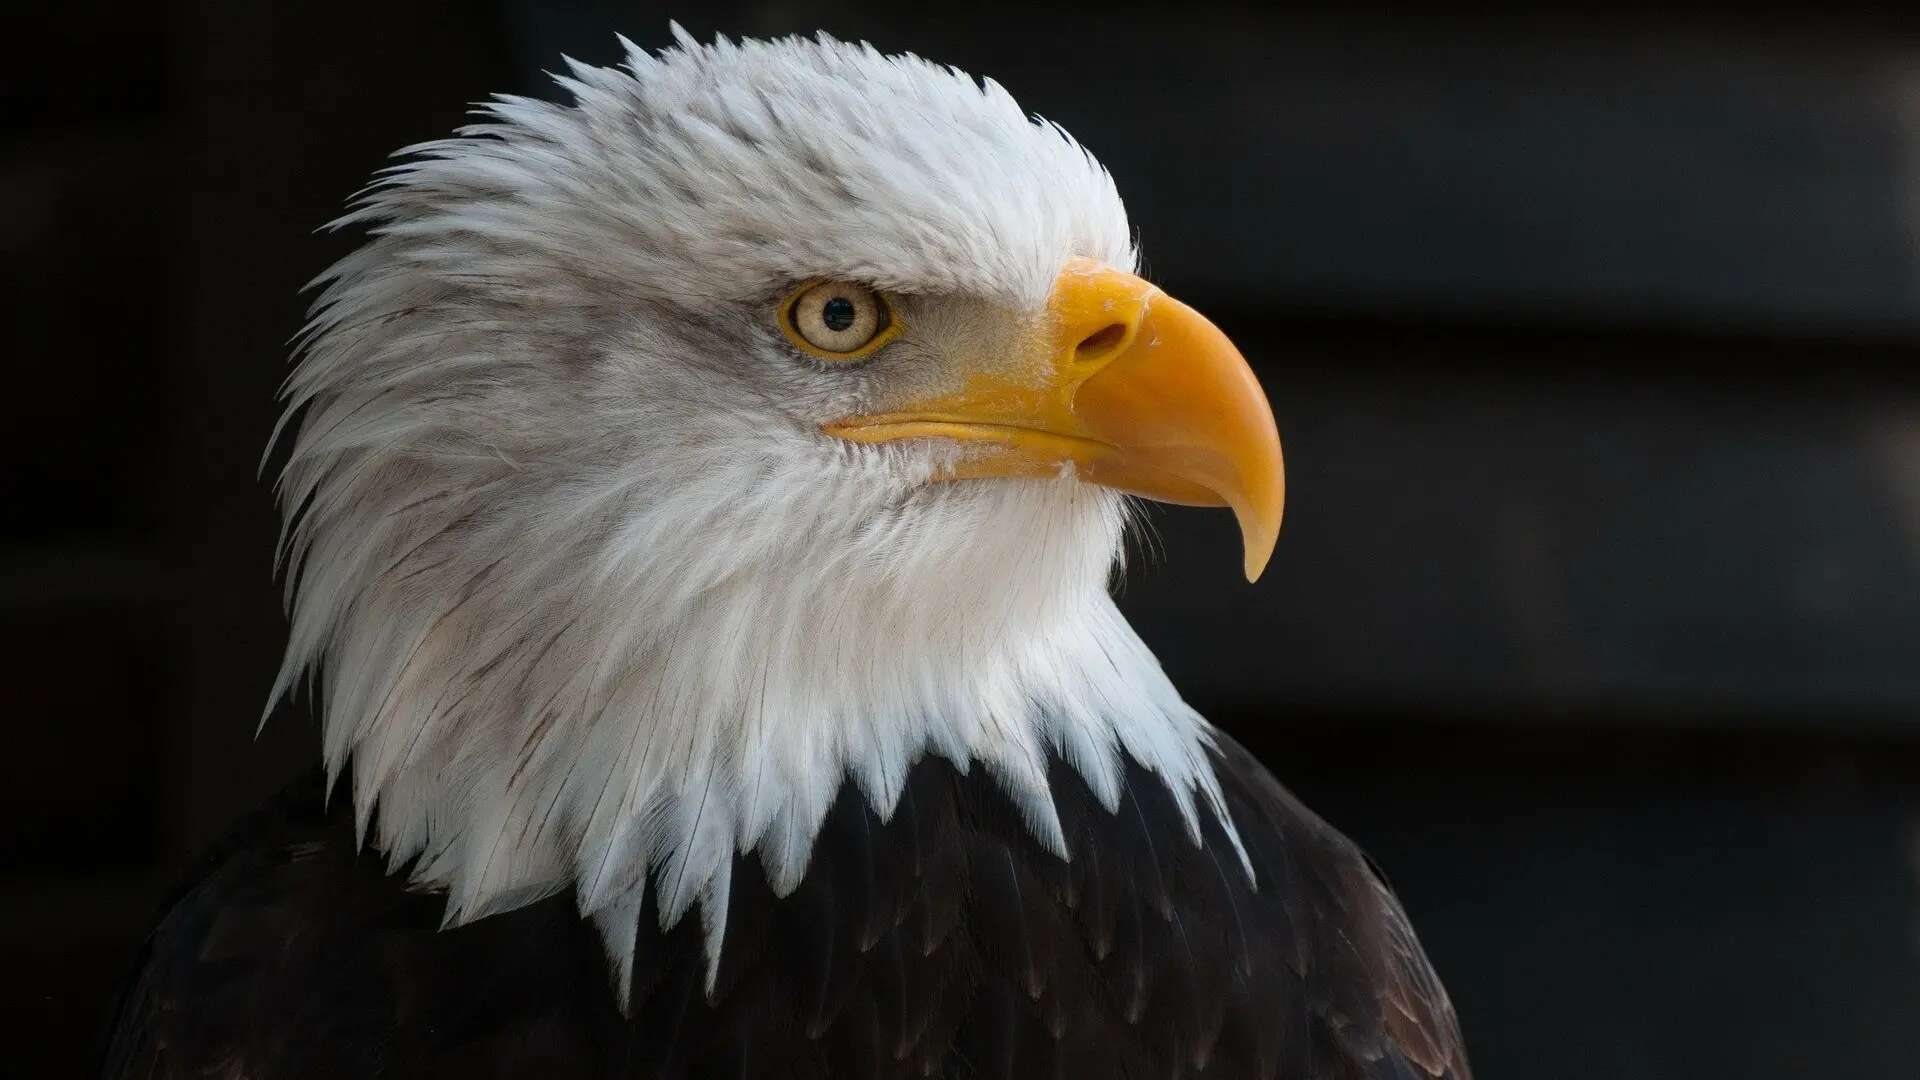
(942, 942)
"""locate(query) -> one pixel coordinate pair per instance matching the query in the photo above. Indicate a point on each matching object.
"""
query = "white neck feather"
(699, 674)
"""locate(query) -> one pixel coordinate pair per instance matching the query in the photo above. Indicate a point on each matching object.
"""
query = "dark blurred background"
(1592, 339)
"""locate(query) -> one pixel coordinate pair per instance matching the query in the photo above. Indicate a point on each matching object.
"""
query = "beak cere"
(1139, 392)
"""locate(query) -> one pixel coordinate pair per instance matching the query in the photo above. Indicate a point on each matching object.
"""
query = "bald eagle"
(701, 502)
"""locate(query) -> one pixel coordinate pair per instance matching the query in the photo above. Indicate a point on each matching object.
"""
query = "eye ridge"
(837, 320)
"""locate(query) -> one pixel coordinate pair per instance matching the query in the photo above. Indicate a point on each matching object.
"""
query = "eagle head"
(762, 420)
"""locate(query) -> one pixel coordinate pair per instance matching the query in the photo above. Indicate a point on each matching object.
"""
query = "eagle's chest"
(943, 941)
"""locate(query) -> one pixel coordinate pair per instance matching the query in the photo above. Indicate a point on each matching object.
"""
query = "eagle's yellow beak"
(1139, 392)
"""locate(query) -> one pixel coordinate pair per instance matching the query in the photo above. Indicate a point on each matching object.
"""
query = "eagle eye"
(837, 320)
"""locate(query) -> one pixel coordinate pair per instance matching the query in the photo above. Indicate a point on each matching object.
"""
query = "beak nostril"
(1097, 345)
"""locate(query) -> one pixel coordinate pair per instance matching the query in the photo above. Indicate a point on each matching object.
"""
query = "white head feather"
(591, 600)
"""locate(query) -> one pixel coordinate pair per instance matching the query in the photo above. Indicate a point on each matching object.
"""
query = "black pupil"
(838, 314)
